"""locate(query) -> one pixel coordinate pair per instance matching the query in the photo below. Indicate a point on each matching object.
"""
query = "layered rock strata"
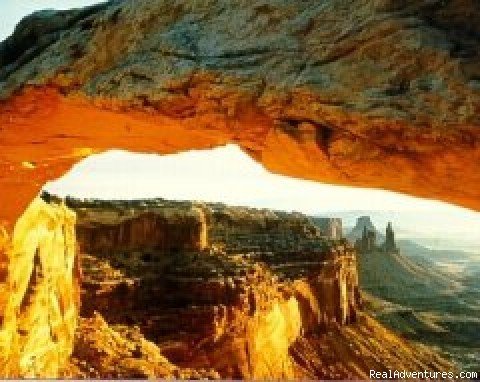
(238, 308)
(241, 302)
(337, 91)
(166, 229)
(228, 313)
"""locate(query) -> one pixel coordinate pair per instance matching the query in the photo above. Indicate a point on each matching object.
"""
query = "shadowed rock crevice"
(35, 279)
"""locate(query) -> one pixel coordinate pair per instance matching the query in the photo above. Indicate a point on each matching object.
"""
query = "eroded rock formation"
(239, 316)
(164, 229)
(259, 301)
(263, 296)
(41, 293)
(120, 351)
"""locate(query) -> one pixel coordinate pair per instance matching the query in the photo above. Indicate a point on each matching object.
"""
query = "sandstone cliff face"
(338, 91)
(233, 316)
(163, 230)
(210, 313)
(42, 294)
(268, 298)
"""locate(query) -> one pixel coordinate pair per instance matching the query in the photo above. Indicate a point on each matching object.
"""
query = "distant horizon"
(431, 241)
(227, 175)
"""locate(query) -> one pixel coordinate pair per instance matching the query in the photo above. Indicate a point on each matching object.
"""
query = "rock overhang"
(386, 97)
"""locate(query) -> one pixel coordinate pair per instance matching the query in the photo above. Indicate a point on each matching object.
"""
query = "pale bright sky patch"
(226, 174)
(12, 11)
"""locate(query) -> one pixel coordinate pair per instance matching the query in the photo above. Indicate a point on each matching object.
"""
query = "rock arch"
(387, 97)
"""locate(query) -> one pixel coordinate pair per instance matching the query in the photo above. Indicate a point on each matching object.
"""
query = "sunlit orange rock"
(385, 95)
(167, 230)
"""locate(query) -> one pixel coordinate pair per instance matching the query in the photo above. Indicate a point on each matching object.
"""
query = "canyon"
(339, 91)
(217, 292)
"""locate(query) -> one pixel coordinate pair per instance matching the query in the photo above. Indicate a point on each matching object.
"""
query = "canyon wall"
(167, 229)
(41, 293)
(235, 317)
(265, 279)
(337, 91)
(331, 227)
(258, 302)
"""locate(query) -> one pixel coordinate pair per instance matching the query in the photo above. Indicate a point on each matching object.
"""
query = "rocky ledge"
(215, 287)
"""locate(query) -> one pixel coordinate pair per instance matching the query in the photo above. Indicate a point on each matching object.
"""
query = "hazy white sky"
(12, 11)
(226, 174)
(222, 174)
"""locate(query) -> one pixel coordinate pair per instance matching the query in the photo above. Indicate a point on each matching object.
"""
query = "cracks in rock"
(397, 88)
(139, 77)
(323, 134)
(231, 60)
(462, 49)
(35, 278)
(326, 133)
(323, 138)
(176, 54)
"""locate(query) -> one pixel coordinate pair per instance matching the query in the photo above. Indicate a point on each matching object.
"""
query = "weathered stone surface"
(330, 227)
(408, 60)
(362, 346)
(340, 91)
(239, 319)
(167, 229)
(230, 311)
(102, 351)
(242, 317)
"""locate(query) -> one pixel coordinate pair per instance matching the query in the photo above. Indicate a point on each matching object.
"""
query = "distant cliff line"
(330, 227)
